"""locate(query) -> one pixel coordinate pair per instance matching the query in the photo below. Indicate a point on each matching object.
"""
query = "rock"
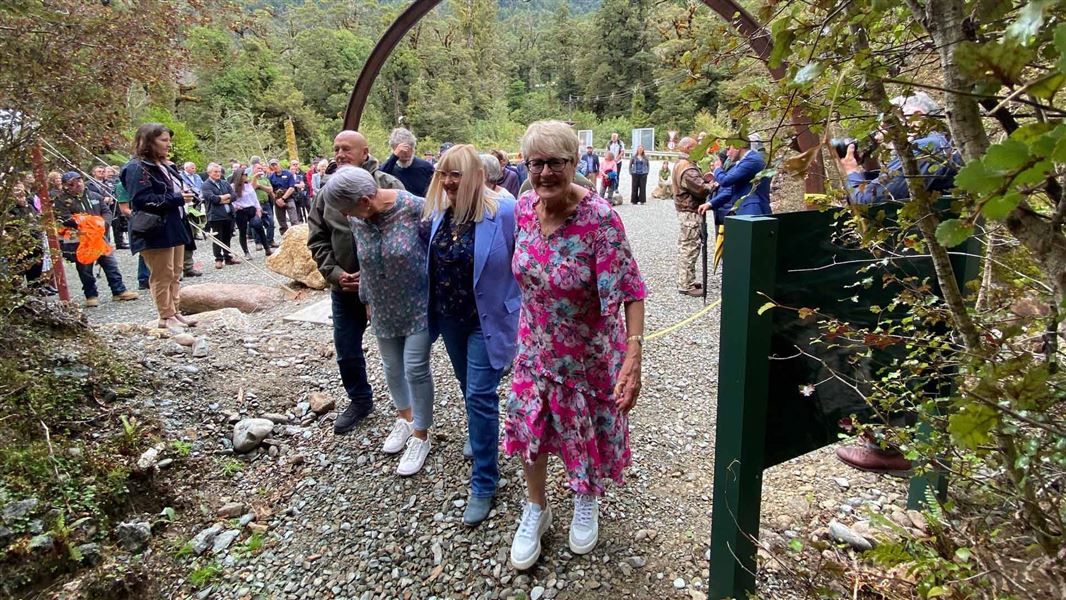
(133, 536)
(231, 510)
(204, 539)
(224, 540)
(150, 458)
(247, 519)
(637, 562)
(679, 583)
(200, 349)
(172, 349)
(293, 259)
(228, 319)
(697, 595)
(185, 339)
(166, 462)
(247, 298)
(18, 510)
(842, 533)
(249, 433)
(90, 554)
(6, 535)
(321, 403)
(918, 520)
(841, 482)
(277, 418)
(536, 593)
(42, 543)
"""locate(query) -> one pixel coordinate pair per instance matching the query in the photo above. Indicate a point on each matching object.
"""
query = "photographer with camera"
(938, 162)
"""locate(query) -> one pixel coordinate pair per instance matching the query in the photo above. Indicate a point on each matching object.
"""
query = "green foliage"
(181, 448)
(201, 576)
(231, 467)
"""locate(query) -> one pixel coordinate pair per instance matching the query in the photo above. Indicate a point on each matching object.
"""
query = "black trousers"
(223, 230)
(246, 219)
(639, 193)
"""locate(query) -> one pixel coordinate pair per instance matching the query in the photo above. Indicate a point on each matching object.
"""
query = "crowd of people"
(523, 268)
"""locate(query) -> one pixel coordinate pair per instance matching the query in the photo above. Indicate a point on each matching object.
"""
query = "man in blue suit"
(747, 195)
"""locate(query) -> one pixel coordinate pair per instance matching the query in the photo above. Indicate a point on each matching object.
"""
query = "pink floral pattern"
(571, 341)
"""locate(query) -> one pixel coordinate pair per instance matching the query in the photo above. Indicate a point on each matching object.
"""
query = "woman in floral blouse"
(577, 373)
(392, 281)
(474, 302)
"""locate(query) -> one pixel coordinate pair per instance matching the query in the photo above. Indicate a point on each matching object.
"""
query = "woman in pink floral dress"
(577, 373)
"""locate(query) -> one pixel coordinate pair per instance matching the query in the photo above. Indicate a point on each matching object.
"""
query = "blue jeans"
(349, 324)
(142, 271)
(478, 382)
(405, 361)
(268, 224)
(85, 272)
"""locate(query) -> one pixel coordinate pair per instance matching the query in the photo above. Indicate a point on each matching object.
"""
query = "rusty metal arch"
(758, 39)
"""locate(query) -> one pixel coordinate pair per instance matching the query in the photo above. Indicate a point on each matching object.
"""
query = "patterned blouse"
(392, 267)
(451, 268)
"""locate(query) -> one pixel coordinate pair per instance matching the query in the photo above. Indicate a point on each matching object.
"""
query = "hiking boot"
(875, 460)
(694, 292)
(352, 416)
(585, 526)
(525, 548)
(92, 302)
(126, 296)
(193, 273)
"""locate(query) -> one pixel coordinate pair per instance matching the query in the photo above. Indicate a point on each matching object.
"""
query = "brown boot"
(875, 460)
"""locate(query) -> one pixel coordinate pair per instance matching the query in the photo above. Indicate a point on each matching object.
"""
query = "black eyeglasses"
(555, 164)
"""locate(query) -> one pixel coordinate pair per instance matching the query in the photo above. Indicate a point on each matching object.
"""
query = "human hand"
(849, 164)
(717, 163)
(627, 388)
(188, 196)
(703, 208)
(349, 282)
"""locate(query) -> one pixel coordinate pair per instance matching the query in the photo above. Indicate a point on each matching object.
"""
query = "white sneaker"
(401, 431)
(525, 549)
(412, 460)
(585, 526)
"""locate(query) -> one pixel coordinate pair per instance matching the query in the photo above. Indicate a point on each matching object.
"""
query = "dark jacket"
(690, 189)
(150, 191)
(509, 180)
(329, 235)
(743, 198)
(638, 165)
(66, 204)
(415, 178)
(938, 163)
(211, 192)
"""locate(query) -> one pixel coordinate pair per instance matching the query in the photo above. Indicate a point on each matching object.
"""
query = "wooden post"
(40, 177)
(743, 388)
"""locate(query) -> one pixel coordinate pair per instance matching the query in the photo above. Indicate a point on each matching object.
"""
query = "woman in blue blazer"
(473, 302)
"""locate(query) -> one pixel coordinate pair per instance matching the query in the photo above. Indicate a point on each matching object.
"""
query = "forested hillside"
(472, 70)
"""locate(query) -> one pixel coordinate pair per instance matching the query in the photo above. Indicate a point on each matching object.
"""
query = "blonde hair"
(553, 138)
(473, 199)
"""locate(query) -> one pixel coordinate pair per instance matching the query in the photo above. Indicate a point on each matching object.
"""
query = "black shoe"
(352, 417)
(193, 273)
(142, 285)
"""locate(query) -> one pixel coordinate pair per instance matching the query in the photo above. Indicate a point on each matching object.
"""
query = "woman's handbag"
(146, 224)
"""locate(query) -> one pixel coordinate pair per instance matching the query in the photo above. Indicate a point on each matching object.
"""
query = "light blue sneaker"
(477, 510)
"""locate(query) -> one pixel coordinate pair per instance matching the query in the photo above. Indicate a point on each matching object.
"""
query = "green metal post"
(743, 367)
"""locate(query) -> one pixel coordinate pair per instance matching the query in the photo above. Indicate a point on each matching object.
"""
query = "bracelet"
(637, 338)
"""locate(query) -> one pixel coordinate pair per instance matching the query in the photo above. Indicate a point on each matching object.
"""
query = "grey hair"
(347, 186)
(213, 166)
(254, 160)
(918, 101)
(186, 165)
(402, 135)
(492, 168)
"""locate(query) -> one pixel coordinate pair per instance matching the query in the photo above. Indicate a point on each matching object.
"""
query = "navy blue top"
(937, 163)
(282, 180)
(743, 197)
(414, 177)
(151, 188)
(638, 165)
(451, 273)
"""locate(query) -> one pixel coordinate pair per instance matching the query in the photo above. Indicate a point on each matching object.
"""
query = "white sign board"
(585, 137)
(643, 137)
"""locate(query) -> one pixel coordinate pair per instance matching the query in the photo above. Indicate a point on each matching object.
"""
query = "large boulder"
(293, 259)
(245, 297)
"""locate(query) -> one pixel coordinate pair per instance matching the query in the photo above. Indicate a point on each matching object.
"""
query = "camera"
(862, 151)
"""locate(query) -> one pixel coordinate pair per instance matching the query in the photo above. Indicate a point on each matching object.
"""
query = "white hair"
(189, 164)
(402, 135)
(492, 168)
(347, 186)
(211, 166)
(917, 102)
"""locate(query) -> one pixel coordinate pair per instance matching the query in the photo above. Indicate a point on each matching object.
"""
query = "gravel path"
(336, 522)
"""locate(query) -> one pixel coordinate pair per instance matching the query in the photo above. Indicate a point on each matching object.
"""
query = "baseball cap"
(70, 175)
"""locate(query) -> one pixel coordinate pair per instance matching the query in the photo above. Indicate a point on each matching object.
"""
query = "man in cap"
(75, 199)
(331, 243)
(284, 186)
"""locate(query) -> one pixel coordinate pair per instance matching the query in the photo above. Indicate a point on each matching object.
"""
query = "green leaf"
(808, 73)
(795, 545)
(953, 232)
(1060, 45)
(998, 207)
(1029, 20)
(970, 426)
(976, 179)
(1034, 174)
(766, 307)
(1006, 156)
(783, 39)
(999, 62)
(963, 554)
(1059, 154)
(1047, 87)
(937, 591)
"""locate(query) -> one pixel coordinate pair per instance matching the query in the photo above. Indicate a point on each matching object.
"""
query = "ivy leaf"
(1029, 20)
(953, 232)
(808, 73)
(1006, 156)
(970, 426)
(998, 207)
(976, 179)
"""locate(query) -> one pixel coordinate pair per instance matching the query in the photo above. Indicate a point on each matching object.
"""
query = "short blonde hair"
(553, 138)
(474, 198)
